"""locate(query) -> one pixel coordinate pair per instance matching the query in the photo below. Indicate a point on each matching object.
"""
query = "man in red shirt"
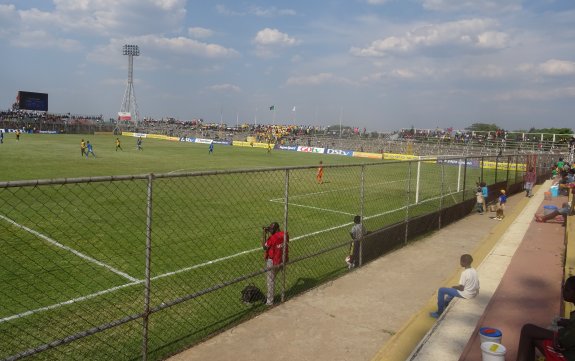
(274, 257)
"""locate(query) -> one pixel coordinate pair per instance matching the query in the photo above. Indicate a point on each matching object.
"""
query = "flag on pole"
(293, 109)
(273, 107)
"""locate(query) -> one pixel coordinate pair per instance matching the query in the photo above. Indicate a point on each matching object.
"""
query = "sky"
(382, 65)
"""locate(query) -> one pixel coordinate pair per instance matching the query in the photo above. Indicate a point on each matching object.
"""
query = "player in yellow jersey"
(82, 147)
(118, 145)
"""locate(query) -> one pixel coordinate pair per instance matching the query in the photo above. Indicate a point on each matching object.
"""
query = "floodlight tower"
(129, 104)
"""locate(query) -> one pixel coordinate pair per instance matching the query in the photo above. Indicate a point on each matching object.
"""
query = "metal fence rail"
(144, 266)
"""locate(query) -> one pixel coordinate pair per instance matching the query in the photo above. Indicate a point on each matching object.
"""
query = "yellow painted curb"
(569, 268)
(401, 345)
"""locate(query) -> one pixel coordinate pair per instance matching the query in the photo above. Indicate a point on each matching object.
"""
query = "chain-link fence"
(143, 266)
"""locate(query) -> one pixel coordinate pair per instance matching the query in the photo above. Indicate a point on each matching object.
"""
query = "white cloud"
(108, 17)
(555, 67)
(200, 33)
(440, 39)
(267, 37)
(8, 19)
(538, 94)
(42, 39)
(225, 88)
(268, 41)
(224, 10)
(256, 11)
(154, 47)
(492, 40)
(399, 73)
(552, 67)
(318, 79)
(271, 12)
(490, 71)
(472, 5)
(377, 2)
(179, 45)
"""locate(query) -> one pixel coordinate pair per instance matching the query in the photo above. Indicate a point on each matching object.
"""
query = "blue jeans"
(450, 292)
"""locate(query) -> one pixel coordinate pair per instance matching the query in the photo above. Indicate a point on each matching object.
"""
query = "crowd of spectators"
(466, 136)
(36, 121)
(350, 138)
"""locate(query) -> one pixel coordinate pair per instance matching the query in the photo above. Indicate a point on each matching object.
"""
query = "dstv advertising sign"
(348, 153)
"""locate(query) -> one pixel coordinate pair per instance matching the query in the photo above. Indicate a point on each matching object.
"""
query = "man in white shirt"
(468, 286)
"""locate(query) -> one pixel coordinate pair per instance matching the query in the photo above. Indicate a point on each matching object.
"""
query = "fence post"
(417, 180)
(361, 207)
(464, 177)
(442, 189)
(458, 175)
(517, 166)
(481, 166)
(284, 246)
(147, 288)
(508, 166)
(496, 168)
(407, 193)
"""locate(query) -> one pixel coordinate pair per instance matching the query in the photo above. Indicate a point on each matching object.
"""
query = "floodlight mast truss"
(129, 104)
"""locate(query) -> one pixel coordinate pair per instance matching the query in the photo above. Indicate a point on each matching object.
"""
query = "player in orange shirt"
(319, 175)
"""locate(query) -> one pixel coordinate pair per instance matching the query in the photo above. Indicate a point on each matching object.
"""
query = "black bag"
(251, 294)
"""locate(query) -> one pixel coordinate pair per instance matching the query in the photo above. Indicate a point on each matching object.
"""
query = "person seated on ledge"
(563, 211)
(558, 344)
(468, 286)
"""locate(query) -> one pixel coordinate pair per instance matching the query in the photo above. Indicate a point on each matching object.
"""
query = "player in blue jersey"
(89, 149)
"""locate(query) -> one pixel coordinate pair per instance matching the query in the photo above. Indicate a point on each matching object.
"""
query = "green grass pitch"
(74, 254)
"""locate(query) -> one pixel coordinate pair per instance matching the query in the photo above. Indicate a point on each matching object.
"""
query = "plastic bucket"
(491, 351)
(554, 191)
(549, 209)
(490, 334)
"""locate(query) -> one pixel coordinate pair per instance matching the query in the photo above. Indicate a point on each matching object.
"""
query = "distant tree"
(336, 128)
(552, 130)
(482, 127)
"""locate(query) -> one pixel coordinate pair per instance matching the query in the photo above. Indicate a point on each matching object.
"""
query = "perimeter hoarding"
(348, 153)
(311, 150)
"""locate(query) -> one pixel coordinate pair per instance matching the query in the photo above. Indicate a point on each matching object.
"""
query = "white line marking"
(317, 208)
(77, 253)
(137, 282)
(334, 190)
(281, 200)
(69, 302)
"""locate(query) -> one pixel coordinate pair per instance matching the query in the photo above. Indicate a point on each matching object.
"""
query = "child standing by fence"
(501, 206)
(480, 201)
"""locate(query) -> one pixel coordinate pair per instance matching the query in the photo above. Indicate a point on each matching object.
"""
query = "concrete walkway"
(351, 318)
(448, 338)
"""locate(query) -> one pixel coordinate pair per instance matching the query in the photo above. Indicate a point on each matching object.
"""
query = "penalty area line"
(69, 249)
(316, 208)
(69, 302)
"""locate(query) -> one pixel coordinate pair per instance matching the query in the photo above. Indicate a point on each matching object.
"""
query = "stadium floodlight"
(133, 50)
(129, 109)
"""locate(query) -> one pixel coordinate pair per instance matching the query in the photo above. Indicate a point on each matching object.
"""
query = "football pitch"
(79, 254)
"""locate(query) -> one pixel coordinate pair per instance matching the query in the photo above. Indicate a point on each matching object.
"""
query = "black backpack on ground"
(251, 294)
